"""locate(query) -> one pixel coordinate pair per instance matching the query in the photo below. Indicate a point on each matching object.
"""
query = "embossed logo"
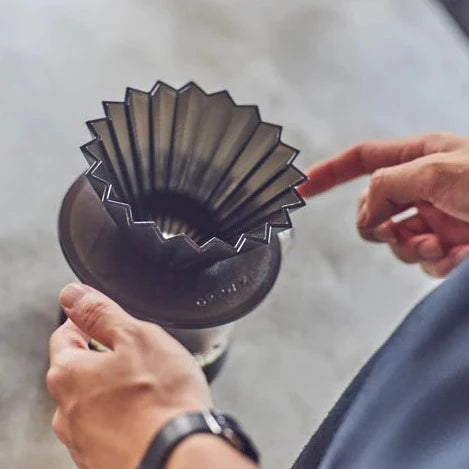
(222, 292)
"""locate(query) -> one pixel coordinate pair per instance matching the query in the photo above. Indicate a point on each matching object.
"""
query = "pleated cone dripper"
(176, 218)
(191, 178)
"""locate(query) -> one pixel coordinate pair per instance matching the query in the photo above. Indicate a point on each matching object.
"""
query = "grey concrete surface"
(332, 72)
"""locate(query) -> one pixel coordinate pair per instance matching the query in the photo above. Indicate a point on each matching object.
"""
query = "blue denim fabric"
(409, 405)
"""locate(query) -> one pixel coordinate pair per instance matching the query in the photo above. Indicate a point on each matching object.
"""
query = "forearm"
(207, 451)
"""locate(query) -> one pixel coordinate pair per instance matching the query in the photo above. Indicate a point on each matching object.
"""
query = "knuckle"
(434, 167)
(438, 137)
(58, 378)
(367, 235)
(377, 179)
(360, 149)
(60, 426)
(439, 141)
(435, 178)
(403, 254)
(57, 425)
(55, 379)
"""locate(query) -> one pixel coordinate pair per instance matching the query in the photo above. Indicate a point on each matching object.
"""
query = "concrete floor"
(331, 72)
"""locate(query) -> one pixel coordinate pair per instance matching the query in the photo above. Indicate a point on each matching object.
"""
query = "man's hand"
(430, 173)
(112, 403)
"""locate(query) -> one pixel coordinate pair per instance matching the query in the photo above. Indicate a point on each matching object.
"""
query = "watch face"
(230, 429)
(224, 420)
(232, 432)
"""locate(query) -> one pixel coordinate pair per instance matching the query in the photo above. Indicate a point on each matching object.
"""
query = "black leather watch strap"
(188, 424)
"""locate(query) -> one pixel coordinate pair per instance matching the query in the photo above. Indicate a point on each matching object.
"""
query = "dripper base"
(101, 256)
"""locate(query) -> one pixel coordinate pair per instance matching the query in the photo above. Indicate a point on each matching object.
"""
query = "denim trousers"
(408, 407)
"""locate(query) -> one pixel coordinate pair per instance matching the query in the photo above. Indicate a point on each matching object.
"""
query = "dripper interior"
(175, 213)
(196, 164)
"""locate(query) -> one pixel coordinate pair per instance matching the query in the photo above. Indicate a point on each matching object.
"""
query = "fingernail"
(429, 250)
(71, 294)
(385, 235)
(387, 238)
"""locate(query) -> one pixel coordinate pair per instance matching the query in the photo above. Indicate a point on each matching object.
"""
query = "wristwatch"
(188, 424)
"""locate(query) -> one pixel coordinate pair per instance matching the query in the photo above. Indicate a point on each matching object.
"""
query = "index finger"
(65, 338)
(366, 157)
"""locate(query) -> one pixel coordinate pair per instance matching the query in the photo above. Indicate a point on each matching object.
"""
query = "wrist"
(152, 421)
(207, 450)
(200, 439)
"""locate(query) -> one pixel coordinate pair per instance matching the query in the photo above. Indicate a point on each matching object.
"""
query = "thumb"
(94, 313)
(392, 190)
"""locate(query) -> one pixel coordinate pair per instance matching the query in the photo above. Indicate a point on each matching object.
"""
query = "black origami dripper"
(177, 217)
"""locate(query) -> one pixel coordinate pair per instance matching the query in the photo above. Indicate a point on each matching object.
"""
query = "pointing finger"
(367, 157)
